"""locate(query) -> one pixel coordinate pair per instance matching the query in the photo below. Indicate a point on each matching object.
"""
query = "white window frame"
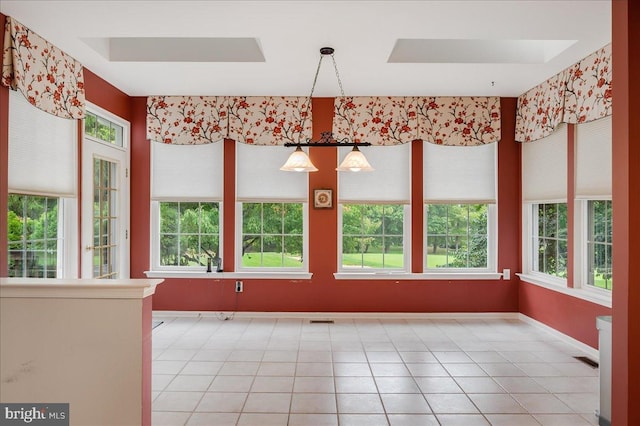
(67, 247)
(406, 245)
(101, 112)
(581, 251)
(492, 244)
(279, 272)
(529, 220)
(155, 238)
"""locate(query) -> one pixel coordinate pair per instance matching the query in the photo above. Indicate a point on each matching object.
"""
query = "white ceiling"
(291, 32)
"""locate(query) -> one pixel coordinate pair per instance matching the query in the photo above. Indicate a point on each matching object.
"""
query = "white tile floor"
(367, 372)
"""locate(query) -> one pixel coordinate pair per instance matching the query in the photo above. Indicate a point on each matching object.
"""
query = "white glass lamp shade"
(355, 161)
(298, 161)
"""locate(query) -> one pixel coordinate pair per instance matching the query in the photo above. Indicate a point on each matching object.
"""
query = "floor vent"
(587, 361)
(321, 322)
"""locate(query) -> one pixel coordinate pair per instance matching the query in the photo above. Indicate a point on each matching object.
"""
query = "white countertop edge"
(136, 288)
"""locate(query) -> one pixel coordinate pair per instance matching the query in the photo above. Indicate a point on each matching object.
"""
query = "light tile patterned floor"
(368, 372)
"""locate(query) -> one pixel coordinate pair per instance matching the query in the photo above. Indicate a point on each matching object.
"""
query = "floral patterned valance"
(456, 121)
(270, 120)
(48, 78)
(194, 120)
(459, 121)
(588, 95)
(578, 94)
(380, 120)
(541, 109)
(187, 120)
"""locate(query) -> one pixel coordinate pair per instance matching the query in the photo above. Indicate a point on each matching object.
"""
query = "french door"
(105, 210)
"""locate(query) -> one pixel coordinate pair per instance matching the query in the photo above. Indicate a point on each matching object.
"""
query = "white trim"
(591, 352)
(71, 237)
(529, 224)
(259, 275)
(345, 315)
(424, 276)
(579, 293)
(49, 288)
(581, 259)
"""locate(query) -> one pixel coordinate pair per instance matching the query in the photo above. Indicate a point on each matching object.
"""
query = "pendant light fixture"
(299, 161)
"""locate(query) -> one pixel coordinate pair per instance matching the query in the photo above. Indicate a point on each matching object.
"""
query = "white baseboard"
(591, 352)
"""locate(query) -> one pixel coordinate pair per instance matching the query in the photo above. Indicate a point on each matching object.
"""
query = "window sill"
(402, 276)
(579, 293)
(263, 275)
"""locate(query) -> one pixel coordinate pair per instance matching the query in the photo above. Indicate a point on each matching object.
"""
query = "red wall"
(569, 315)
(626, 204)
(140, 187)
(105, 95)
(322, 292)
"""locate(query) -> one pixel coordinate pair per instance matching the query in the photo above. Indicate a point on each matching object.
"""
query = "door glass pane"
(104, 219)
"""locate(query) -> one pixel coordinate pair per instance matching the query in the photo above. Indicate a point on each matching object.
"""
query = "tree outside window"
(189, 233)
(272, 235)
(373, 236)
(457, 235)
(599, 244)
(32, 225)
(550, 239)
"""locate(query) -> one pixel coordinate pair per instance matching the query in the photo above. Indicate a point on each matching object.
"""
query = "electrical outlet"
(506, 274)
(239, 288)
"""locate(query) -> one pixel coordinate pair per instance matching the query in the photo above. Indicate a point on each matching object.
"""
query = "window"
(373, 236)
(271, 212)
(189, 233)
(103, 130)
(42, 182)
(374, 212)
(34, 238)
(186, 194)
(272, 235)
(549, 237)
(593, 212)
(457, 236)
(544, 192)
(599, 244)
(459, 190)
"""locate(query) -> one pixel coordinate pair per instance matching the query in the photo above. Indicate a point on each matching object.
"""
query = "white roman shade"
(187, 172)
(459, 174)
(42, 150)
(593, 159)
(390, 182)
(259, 178)
(544, 167)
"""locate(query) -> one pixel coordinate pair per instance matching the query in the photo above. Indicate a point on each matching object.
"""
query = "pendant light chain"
(308, 103)
(335, 67)
(349, 121)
